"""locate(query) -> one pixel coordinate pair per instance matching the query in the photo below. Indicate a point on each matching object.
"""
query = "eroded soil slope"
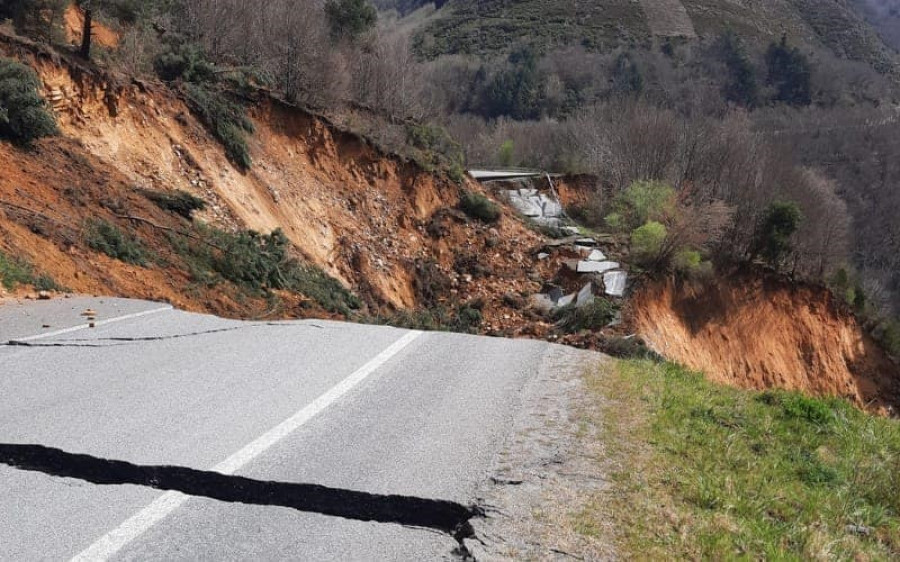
(757, 332)
(371, 220)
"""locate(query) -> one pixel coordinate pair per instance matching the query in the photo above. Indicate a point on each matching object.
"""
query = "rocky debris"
(585, 296)
(540, 208)
(582, 271)
(615, 282)
(596, 266)
(596, 255)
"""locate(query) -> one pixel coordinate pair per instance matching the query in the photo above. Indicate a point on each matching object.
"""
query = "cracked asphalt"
(163, 435)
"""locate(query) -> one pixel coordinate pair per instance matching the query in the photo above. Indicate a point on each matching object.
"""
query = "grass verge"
(700, 470)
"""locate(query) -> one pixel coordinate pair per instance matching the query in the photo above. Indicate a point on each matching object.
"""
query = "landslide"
(755, 331)
(374, 221)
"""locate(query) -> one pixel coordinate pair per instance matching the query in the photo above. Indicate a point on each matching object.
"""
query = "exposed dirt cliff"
(764, 332)
(360, 214)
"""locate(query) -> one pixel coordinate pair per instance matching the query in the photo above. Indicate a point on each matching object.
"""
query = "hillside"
(499, 26)
(358, 214)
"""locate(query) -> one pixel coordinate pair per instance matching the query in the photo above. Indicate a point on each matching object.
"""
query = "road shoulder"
(547, 472)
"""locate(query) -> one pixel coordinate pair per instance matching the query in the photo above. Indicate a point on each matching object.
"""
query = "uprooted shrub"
(23, 114)
(593, 316)
(109, 239)
(479, 207)
(179, 202)
(259, 263)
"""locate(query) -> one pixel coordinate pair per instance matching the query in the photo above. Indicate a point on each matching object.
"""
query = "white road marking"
(111, 543)
(85, 326)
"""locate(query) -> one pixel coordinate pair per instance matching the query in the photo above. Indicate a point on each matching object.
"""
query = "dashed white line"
(111, 543)
(97, 324)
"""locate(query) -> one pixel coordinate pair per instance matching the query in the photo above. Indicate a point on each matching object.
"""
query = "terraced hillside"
(498, 26)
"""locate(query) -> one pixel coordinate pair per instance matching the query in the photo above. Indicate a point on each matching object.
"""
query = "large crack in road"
(451, 518)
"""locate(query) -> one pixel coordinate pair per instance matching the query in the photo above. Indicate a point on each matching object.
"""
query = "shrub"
(107, 238)
(226, 120)
(179, 202)
(477, 206)
(642, 201)
(507, 153)
(258, 263)
(647, 242)
(182, 60)
(14, 272)
(23, 114)
(593, 316)
(435, 148)
(790, 72)
(350, 18)
(774, 232)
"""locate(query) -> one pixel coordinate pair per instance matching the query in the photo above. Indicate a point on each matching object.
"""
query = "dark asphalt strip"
(445, 516)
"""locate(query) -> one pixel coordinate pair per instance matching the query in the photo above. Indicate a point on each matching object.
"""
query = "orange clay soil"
(358, 213)
(756, 332)
(74, 27)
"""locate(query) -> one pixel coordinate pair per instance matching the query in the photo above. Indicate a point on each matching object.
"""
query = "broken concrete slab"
(542, 303)
(566, 300)
(615, 282)
(585, 296)
(596, 255)
(597, 266)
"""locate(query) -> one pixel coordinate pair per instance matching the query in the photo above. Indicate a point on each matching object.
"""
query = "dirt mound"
(762, 332)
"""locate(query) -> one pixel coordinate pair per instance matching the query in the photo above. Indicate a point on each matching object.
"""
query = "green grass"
(15, 272)
(710, 472)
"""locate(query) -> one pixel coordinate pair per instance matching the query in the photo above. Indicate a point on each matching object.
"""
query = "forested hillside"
(780, 110)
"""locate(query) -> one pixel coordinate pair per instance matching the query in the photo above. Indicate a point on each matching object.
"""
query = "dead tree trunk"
(87, 32)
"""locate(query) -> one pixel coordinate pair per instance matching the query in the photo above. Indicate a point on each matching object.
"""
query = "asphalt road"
(163, 435)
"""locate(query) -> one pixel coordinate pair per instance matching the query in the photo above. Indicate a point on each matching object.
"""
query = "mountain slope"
(498, 26)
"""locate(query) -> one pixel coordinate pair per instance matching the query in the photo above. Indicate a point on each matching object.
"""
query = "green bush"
(594, 316)
(642, 201)
(14, 272)
(107, 238)
(23, 113)
(775, 231)
(179, 202)
(464, 318)
(477, 206)
(259, 263)
(183, 60)
(647, 242)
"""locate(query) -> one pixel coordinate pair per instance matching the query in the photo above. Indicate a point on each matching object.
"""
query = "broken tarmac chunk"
(585, 296)
(596, 255)
(596, 266)
(615, 282)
